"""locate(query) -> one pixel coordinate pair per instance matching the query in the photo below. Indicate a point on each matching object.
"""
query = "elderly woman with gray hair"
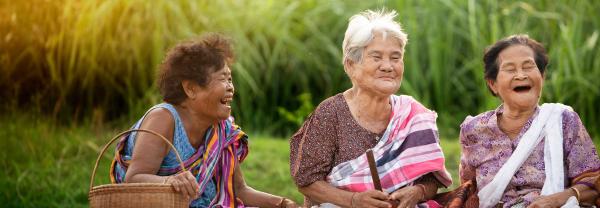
(523, 154)
(327, 159)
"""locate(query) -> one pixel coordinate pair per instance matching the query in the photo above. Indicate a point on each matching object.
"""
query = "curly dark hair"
(192, 60)
(490, 57)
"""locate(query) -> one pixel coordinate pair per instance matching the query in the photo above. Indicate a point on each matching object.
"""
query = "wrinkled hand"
(408, 196)
(553, 200)
(371, 198)
(185, 183)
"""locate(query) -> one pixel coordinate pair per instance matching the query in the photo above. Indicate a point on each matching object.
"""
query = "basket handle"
(127, 132)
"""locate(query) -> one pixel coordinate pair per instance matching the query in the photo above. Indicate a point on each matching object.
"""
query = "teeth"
(226, 101)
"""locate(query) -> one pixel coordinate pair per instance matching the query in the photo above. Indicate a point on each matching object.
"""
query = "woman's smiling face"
(213, 101)
(381, 68)
(519, 81)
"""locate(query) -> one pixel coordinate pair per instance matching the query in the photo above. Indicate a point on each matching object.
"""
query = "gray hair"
(361, 30)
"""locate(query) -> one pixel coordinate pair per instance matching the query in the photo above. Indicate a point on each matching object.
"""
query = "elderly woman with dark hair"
(327, 159)
(196, 85)
(522, 154)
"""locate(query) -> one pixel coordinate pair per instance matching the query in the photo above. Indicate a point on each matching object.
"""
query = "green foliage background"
(74, 72)
(73, 59)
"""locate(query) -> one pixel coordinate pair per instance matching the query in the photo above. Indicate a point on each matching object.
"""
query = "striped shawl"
(408, 150)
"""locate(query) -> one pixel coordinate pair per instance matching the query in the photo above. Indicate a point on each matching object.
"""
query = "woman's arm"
(149, 152)
(582, 161)
(424, 189)
(580, 155)
(585, 194)
(252, 197)
(323, 192)
(430, 185)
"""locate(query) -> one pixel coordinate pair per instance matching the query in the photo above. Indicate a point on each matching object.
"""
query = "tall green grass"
(74, 59)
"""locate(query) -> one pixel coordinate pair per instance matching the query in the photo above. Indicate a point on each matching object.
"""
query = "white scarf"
(547, 124)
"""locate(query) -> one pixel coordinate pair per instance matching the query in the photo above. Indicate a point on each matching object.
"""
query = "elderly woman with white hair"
(328, 161)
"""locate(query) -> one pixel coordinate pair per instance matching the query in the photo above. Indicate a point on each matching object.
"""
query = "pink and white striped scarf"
(408, 150)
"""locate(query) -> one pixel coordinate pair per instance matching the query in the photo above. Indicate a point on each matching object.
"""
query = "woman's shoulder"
(329, 105)
(569, 115)
(571, 122)
(473, 128)
(414, 104)
(322, 116)
(570, 118)
(481, 119)
(160, 113)
(158, 119)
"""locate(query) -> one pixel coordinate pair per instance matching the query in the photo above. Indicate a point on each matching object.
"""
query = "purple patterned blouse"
(485, 148)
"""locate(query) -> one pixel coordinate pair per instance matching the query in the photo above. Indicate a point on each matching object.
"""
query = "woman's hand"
(184, 183)
(408, 196)
(287, 203)
(371, 198)
(553, 200)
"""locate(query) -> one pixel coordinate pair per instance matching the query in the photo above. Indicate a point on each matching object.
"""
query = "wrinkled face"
(214, 100)
(519, 82)
(381, 68)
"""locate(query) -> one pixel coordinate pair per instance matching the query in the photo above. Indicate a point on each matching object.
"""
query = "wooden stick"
(373, 168)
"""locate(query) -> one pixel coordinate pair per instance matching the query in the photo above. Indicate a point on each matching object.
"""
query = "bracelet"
(577, 194)
(422, 191)
(352, 200)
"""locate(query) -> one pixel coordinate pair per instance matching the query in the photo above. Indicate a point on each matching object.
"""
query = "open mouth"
(226, 101)
(522, 88)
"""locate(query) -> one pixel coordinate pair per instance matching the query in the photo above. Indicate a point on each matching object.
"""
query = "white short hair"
(362, 28)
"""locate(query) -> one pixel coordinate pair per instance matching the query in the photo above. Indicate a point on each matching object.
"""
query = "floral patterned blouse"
(485, 148)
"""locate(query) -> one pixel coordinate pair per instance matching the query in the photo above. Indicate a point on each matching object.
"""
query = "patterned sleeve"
(312, 148)
(465, 170)
(580, 153)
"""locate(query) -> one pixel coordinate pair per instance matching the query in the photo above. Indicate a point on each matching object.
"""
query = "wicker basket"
(135, 194)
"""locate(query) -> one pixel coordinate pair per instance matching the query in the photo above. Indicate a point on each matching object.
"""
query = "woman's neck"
(517, 113)
(372, 111)
(195, 124)
(513, 119)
